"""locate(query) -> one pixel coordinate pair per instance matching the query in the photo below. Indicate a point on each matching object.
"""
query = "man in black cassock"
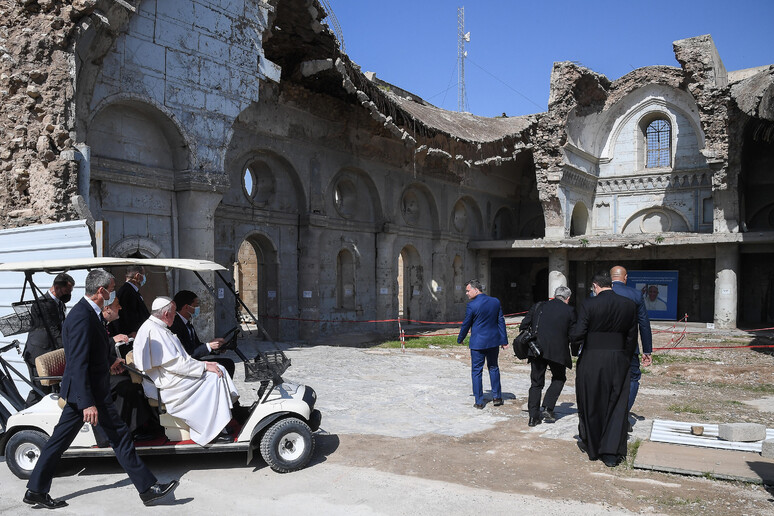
(607, 328)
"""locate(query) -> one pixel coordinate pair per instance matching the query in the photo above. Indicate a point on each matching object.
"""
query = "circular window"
(345, 197)
(258, 183)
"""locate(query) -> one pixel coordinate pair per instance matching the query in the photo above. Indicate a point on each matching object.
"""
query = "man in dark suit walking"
(484, 319)
(618, 275)
(555, 322)
(607, 328)
(48, 314)
(133, 311)
(86, 389)
(187, 304)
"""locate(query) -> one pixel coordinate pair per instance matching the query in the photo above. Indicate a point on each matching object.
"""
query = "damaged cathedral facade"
(238, 131)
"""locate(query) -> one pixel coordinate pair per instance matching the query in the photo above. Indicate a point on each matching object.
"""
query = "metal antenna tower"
(462, 37)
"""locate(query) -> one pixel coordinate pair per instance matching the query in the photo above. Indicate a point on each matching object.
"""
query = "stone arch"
(504, 224)
(656, 219)
(418, 207)
(410, 278)
(352, 194)
(156, 125)
(256, 277)
(465, 217)
(642, 105)
(274, 178)
(580, 220)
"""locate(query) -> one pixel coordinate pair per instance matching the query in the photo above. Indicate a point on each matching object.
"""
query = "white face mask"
(111, 298)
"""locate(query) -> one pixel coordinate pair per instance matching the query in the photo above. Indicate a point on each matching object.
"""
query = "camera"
(534, 349)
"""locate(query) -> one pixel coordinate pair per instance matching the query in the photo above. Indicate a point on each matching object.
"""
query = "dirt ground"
(705, 385)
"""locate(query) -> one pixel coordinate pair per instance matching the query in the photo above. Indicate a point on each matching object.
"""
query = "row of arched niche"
(353, 196)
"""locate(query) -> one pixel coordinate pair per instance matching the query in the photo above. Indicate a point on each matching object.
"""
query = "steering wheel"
(231, 338)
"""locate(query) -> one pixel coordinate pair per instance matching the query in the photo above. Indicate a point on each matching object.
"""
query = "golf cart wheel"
(23, 451)
(287, 445)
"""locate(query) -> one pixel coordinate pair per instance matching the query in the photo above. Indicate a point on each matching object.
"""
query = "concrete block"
(767, 449)
(742, 432)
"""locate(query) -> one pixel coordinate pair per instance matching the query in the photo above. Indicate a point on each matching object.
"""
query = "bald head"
(618, 273)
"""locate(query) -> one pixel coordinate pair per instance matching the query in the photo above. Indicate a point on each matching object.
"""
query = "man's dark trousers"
(65, 432)
(477, 357)
(634, 367)
(538, 380)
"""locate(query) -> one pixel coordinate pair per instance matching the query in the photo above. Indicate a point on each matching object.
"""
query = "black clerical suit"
(133, 311)
(130, 401)
(86, 383)
(195, 347)
(45, 335)
(556, 322)
(607, 325)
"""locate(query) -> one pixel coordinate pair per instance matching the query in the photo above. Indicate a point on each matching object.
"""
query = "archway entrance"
(255, 278)
(409, 283)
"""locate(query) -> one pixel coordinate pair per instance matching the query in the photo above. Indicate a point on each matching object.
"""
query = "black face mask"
(65, 298)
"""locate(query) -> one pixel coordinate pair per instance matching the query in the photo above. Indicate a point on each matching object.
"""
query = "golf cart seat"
(174, 428)
(50, 367)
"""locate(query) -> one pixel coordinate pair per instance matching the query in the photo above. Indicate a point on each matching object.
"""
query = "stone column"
(438, 281)
(726, 285)
(196, 230)
(386, 279)
(483, 269)
(308, 282)
(557, 270)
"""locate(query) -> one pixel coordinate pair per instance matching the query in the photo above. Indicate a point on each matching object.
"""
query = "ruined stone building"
(238, 131)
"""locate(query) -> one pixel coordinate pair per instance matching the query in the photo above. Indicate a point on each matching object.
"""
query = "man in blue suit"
(618, 275)
(86, 389)
(484, 318)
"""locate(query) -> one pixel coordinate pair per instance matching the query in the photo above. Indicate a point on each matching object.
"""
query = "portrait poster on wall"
(659, 292)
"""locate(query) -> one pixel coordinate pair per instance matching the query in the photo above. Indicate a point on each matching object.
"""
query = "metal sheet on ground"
(678, 432)
(692, 460)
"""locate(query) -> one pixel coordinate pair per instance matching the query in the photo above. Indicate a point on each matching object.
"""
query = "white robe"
(188, 391)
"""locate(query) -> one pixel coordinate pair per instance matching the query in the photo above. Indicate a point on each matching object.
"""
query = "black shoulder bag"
(525, 345)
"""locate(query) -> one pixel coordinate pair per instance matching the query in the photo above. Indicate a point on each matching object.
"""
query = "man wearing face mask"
(133, 312)
(187, 304)
(48, 314)
(86, 389)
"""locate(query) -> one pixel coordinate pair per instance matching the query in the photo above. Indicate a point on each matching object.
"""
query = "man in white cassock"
(200, 393)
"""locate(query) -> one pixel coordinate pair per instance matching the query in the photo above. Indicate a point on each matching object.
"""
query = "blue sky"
(514, 43)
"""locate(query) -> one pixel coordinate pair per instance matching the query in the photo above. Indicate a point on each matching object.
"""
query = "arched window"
(345, 280)
(658, 138)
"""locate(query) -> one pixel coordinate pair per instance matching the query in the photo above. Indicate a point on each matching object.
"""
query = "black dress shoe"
(549, 416)
(478, 405)
(610, 461)
(534, 421)
(157, 492)
(497, 402)
(43, 499)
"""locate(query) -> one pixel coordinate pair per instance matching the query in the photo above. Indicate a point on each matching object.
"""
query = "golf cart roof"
(68, 264)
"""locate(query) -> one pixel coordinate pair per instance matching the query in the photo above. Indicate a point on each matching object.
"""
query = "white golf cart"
(280, 423)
